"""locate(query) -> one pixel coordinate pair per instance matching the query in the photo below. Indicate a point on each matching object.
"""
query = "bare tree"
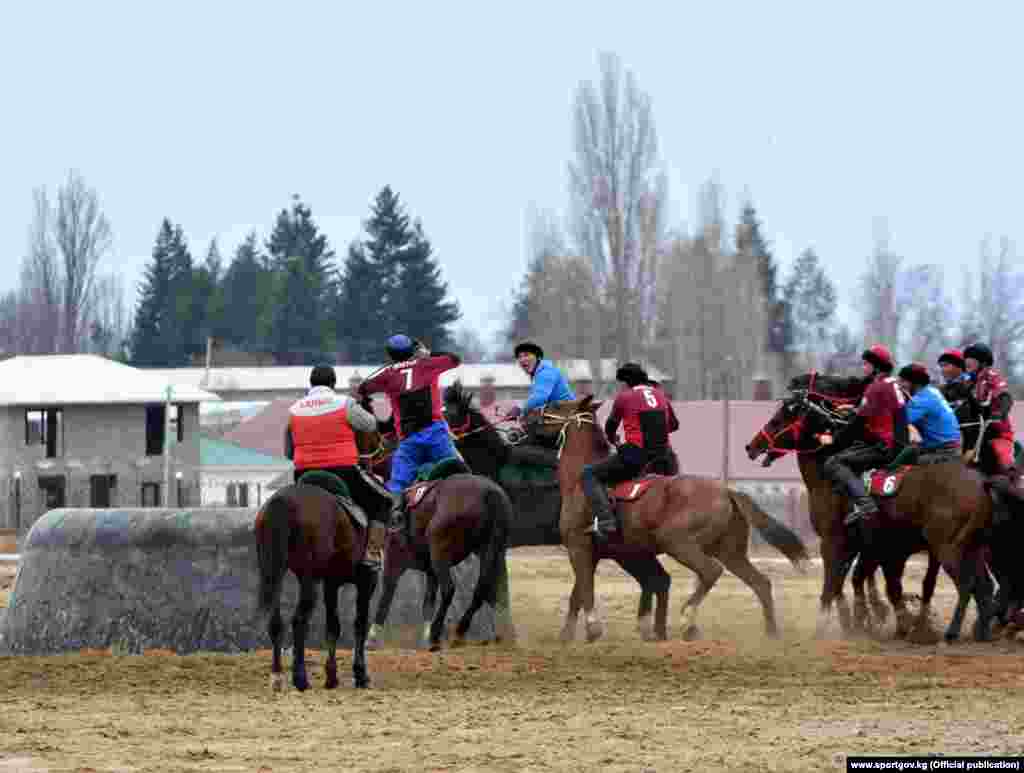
(618, 193)
(41, 282)
(994, 305)
(108, 320)
(470, 345)
(881, 300)
(929, 317)
(82, 235)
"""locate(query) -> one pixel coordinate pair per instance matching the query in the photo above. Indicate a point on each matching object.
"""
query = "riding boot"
(850, 483)
(604, 520)
(374, 557)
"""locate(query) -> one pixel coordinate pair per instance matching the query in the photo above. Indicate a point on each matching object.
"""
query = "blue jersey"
(930, 413)
(549, 386)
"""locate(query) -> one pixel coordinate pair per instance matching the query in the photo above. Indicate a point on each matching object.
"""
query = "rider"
(321, 436)
(930, 414)
(878, 433)
(410, 383)
(958, 384)
(992, 401)
(549, 385)
(648, 419)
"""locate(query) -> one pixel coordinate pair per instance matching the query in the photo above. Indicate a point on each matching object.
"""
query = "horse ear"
(595, 407)
(584, 404)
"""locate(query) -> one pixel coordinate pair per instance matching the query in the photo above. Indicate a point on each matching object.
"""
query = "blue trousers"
(431, 444)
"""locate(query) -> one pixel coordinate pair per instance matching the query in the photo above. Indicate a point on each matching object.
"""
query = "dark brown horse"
(451, 518)
(697, 521)
(945, 503)
(302, 528)
(537, 506)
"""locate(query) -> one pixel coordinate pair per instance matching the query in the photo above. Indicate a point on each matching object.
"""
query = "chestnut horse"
(697, 521)
(537, 507)
(946, 504)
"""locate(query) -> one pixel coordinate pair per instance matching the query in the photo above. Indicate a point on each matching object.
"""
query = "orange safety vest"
(321, 434)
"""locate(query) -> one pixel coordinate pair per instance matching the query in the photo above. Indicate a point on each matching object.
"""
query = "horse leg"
(878, 607)
(982, 591)
(276, 629)
(333, 626)
(971, 578)
(582, 559)
(429, 605)
(707, 570)
(366, 584)
(392, 573)
(836, 561)
(571, 615)
(654, 583)
(504, 629)
(754, 579)
(300, 627)
(443, 571)
(863, 571)
(893, 570)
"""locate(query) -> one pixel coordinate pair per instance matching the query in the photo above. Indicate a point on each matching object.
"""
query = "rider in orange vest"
(648, 419)
(321, 435)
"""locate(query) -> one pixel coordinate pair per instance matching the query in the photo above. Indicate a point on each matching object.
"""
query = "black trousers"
(366, 493)
(844, 468)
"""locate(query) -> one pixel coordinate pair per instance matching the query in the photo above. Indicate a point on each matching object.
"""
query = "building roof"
(87, 379)
(290, 378)
(222, 453)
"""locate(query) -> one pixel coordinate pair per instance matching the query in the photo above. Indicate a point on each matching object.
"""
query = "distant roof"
(289, 377)
(221, 453)
(87, 379)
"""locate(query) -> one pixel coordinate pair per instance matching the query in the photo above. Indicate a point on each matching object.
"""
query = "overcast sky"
(215, 113)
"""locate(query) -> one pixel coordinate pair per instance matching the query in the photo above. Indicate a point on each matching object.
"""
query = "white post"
(167, 447)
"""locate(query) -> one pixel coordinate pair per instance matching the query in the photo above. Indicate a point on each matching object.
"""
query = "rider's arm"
(289, 444)
(850, 432)
(360, 418)
(611, 424)
(900, 433)
(543, 386)
(673, 420)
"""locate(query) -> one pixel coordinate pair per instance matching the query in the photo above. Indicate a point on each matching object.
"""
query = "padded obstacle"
(184, 580)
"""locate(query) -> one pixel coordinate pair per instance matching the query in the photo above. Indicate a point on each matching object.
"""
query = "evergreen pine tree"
(246, 297)
(155, 340)
(418, 302)
(779, 333)
(359, 315)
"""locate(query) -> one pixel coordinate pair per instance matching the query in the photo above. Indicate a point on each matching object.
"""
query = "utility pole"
(167, 447)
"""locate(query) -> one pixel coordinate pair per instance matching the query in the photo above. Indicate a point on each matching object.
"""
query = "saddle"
(332, 484)
(631, 490)
(429, 474)
(886, 481)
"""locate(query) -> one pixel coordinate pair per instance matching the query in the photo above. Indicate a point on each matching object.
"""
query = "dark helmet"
(981, 353)
(531, 347)
(400, 347)
(916, 373)
(953, 357)
(631, 374)
(323, 375)
(880, 357)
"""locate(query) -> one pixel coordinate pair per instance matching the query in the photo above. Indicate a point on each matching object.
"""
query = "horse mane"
(830, 386)
(601, 444)
(461, 396)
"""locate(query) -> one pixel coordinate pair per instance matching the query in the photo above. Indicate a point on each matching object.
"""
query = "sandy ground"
(732, 701)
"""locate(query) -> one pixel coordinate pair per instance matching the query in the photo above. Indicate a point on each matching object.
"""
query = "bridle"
(579, 419)
(804, 399)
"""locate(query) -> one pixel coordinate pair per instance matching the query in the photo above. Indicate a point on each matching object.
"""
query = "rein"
(579, 419)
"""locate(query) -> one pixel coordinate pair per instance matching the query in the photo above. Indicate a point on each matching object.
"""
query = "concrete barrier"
(179, 579)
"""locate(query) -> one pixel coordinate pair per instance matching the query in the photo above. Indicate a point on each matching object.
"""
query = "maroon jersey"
(881, 406)
(412, 388)
(646, 415)
(992, 394)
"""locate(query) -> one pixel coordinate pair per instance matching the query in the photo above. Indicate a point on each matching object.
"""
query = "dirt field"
(733, 701)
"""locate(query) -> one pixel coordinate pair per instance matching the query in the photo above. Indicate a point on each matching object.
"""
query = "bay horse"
(451, 518)
(537, 507)
(302, 528)
(946, 504)
(697, 521)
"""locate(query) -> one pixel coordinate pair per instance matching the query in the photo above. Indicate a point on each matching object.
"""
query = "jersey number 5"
(650, 398)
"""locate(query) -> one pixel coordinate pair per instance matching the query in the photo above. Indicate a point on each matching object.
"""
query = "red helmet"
(953, 357)
(880, 357)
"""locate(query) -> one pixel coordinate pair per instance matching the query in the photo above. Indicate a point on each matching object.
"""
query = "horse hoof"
(456, 643)
(435, 646)
(567, 635)
(692, 633)
(772, 633)
(331, 684)
(661, 634)
(950, 638)
(301, 683)
(361, 682)
(594, 631)
(277, 682)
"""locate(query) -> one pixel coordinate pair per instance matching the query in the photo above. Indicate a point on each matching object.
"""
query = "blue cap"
(400, 343)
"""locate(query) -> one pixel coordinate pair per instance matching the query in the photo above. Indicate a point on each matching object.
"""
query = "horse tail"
(272, 548)
(775, 533)
(492, 558)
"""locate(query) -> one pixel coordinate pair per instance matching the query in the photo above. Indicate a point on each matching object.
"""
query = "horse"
(303, 528)
(453, 514)
(944, 503)
(697, 521)
(536, 507)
